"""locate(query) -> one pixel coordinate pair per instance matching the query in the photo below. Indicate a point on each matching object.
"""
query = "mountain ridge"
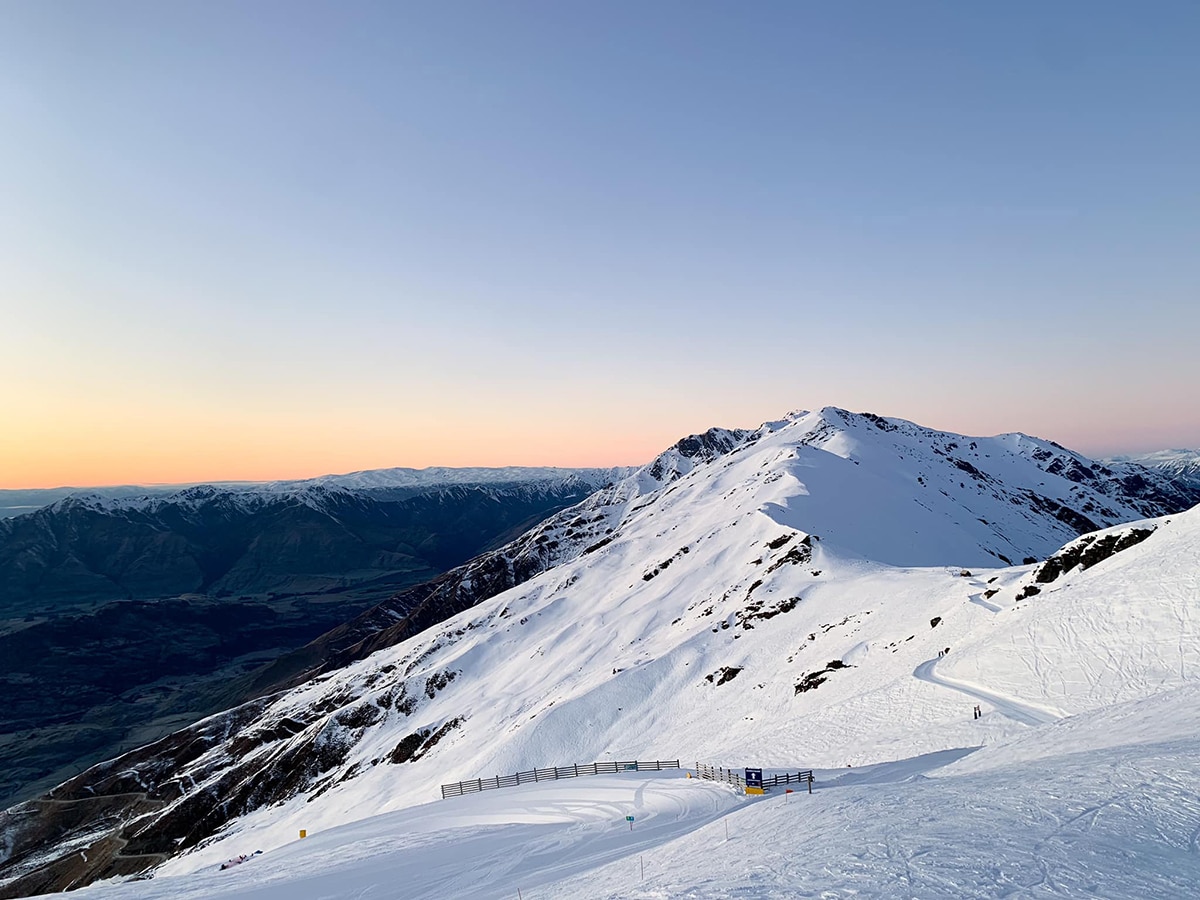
(399, 479)
(613, 628)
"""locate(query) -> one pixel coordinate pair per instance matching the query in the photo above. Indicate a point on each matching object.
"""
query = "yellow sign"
(303, 832)
(754, 790)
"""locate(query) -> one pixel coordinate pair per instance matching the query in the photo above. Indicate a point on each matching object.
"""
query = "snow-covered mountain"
(286, 536)
(393, 483)
(1182, 466)
(781, 597)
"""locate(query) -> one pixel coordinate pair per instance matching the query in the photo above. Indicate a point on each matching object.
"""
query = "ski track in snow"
(978, 600)
(1006, 706)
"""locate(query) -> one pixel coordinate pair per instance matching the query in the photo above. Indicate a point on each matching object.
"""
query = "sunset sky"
(258, 240)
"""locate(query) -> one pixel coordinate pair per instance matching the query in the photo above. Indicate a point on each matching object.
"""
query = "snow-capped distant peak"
(319, 492)
(1182, 466)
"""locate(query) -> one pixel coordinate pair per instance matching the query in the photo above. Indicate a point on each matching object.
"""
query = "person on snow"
(238, 860)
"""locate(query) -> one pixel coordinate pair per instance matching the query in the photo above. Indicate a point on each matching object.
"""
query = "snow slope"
(1101, 805)
(782, 595)
(1103, 813)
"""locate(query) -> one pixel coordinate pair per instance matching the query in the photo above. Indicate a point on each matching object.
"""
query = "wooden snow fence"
(554, 773)
(734, 776)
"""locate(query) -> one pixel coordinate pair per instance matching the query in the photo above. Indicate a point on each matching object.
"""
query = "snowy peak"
(690, 452)
(892, 491)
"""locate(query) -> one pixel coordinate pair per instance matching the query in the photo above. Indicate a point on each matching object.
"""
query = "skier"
(238, 860)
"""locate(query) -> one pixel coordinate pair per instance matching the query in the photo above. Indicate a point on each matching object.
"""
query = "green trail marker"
(629, 819)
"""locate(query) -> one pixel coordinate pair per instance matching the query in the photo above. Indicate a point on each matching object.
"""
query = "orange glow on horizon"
(100, 460)
(50, 442)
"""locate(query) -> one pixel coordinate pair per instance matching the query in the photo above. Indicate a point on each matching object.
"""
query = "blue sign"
(754, 778)
(629, 818)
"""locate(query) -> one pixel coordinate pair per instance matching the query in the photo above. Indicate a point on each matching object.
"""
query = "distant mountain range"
(821, 561)
(321, 534)
(18, 502)
(392, 483)
(1182, 466)
(125, 615)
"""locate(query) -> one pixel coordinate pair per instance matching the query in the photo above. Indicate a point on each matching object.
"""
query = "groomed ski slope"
(1101, 805)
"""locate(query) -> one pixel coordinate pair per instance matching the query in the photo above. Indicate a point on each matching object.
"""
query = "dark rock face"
(723, 675)
(713, 443)
(1069, 517)
(1087, 551)
(814, 680)
(697, 449)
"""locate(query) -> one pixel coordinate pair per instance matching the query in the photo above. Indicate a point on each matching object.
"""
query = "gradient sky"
(278, 239)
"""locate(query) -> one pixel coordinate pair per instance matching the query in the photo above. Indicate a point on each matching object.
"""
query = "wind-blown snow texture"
(778, 598)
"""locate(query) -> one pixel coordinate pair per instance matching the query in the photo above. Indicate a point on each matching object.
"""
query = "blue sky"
(273, 239)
